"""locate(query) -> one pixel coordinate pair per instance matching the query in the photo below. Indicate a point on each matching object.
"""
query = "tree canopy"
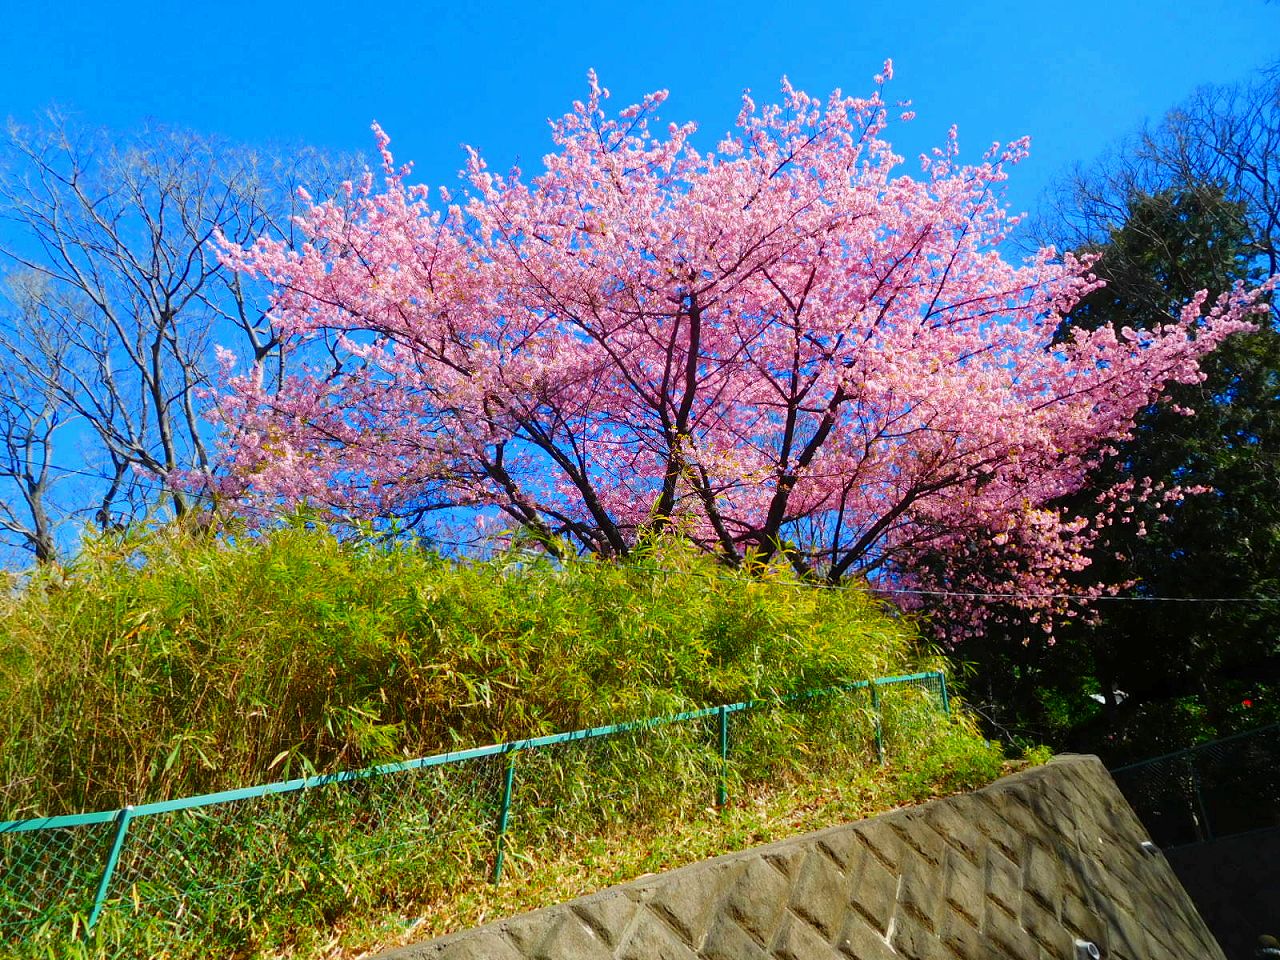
(782, 347)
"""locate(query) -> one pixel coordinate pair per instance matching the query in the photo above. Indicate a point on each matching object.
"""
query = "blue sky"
(1073, 76)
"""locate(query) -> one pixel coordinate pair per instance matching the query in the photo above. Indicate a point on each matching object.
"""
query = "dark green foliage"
(1170, 246)
(1183, 671)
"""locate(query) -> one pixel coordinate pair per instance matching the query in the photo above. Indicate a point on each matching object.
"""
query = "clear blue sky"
(1073, 76)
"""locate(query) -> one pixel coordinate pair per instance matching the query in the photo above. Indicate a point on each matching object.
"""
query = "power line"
(871, 588)
(1069, 596)
(956, 594)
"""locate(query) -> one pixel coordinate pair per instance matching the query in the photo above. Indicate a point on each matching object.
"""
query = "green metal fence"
(217, 858)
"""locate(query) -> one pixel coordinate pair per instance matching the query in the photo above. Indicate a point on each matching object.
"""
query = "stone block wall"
(1022, 869)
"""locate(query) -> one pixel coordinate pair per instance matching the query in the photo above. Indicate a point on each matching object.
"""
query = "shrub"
(165, 664)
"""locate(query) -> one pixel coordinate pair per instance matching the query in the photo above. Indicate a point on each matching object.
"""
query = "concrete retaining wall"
(1021, 869)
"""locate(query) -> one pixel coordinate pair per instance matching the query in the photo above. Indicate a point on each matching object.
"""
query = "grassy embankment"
(161, 666)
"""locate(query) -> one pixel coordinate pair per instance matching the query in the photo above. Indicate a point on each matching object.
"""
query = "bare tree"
(134, 298)
(32, 362)
(1223, 138)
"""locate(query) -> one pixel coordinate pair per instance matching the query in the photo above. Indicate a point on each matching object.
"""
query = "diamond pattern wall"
(1022, 869)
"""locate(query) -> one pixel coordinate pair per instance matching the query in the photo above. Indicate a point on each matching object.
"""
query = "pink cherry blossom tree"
(785, 348)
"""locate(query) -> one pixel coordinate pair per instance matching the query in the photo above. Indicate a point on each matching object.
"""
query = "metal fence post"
(942, 689)
(875, 706)
(504, 812)
(722, 788)
(100, 899)
(1205, 829)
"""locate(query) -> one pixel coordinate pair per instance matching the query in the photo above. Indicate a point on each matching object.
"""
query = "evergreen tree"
(1167, 673)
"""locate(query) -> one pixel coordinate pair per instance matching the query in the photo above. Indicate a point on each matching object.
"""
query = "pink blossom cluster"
(785, 348)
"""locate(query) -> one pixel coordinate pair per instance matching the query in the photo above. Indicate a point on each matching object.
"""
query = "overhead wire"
(800, 584)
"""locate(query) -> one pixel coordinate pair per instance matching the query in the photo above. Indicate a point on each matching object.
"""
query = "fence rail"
(182, 861)
(1211, 790)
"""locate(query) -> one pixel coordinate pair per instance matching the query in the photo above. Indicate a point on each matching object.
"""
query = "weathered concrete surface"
(1020, 870)
(1235, 883)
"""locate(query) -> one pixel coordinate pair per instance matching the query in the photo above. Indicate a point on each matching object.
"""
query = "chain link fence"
(222, 860)
(1211, 790)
